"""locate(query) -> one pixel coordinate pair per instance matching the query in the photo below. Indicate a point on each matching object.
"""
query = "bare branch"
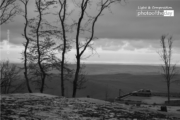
(8, 9)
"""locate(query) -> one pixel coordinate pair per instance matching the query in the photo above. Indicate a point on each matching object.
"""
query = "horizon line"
(106, 63)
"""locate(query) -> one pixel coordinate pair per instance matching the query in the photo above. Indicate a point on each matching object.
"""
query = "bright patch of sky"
(111, 51)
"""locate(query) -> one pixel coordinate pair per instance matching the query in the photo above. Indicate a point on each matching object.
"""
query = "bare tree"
(25, 3)
(81, 28)
(62, 18)
(63, 15)
(37, 26)
(43, 74)
(9, 77)
(8, 9)
(168, 69)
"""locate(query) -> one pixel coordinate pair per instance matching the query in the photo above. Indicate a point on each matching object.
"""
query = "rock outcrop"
(48, 107)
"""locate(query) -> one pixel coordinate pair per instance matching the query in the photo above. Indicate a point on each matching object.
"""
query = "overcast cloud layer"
(119, 31)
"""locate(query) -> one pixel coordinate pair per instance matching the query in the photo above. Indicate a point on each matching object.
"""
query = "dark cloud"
(122, 23)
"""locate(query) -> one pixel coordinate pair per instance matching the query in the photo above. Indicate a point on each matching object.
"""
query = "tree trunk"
(26, 77)
(9, 84)
(26, 47)
(42, 84)
(74, 89)
(62, 75)
(27, 83)
(76, 76)
(62, 19)
(25, 67)
(38, 46)
(168, 90)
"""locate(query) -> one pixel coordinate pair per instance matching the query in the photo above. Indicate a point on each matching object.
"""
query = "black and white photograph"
(90, 59)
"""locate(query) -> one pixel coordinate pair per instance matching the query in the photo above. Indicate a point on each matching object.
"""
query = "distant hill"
(94, 69)
(107, 79)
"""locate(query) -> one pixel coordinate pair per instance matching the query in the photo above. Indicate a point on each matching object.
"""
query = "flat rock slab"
(37, 106)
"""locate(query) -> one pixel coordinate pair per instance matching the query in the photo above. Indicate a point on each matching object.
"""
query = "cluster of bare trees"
(85, 23)
(9, 73)
(38, 52)
(10, 79)
(39, 56)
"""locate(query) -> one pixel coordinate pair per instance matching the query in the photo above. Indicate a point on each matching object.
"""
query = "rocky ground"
(47, 107)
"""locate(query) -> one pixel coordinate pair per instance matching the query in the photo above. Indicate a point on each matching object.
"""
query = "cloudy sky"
(122, 36)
